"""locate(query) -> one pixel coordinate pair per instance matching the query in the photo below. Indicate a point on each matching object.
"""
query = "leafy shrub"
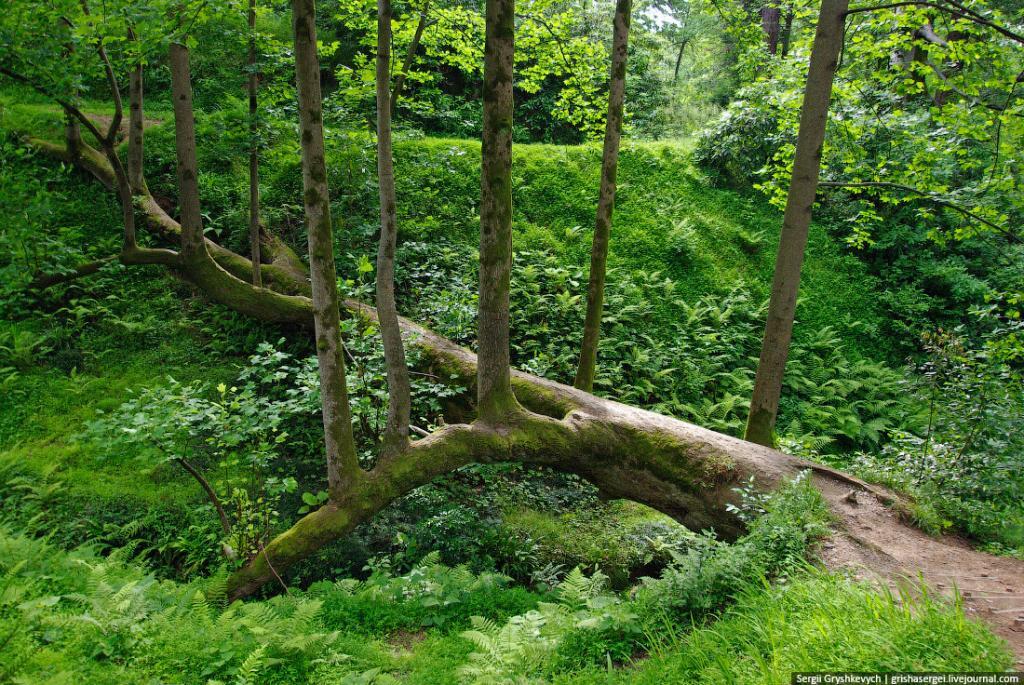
(429, 595)
(706, 575)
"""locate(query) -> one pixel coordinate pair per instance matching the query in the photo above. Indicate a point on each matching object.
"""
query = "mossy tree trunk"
(254, 152)
(396, 431)
(342, 461)
(828, 43)
(606, 200)
(494, 391)
(136, 125)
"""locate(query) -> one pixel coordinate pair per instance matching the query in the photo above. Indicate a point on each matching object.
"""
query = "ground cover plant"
(336, 350)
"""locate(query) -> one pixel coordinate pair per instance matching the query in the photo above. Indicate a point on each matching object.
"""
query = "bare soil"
(874, 543)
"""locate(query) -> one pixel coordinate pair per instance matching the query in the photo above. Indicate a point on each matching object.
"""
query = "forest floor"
(873, 542)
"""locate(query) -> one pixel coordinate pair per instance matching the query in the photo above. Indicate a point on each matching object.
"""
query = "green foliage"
(697, 364)
(817, 621)
(706, 573)
(107, 622)
(965, 469)
(429, 595)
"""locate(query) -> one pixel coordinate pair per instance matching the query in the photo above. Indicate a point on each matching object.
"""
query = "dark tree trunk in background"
(606, 200)
(254, 154)
(193, 243)
(396, 432)
(787, 31)
(828, 42)
(72, 135)
(770, 15)
(410, 55)
(342, 461)
(494, 390)
(136, 125)
(679, 60)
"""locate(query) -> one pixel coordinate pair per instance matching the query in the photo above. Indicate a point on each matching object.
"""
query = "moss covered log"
(683, 470)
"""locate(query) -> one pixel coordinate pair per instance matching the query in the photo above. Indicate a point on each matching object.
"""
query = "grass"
(107, 622)
(817, 622)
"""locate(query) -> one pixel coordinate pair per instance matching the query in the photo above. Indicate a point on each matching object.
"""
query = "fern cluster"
(104, 621)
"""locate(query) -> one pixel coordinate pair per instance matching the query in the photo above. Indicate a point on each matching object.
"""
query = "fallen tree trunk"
(680, 469)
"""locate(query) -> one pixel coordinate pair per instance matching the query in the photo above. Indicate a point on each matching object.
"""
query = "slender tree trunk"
(494, 389)
(254, 155)
(342, 462)
(396, 432)
(828, 42)
(72, 135)
(136, 174)
(679, 59)
(606, 200)
(193, 242)
(410, 55)
(211, 494)
(72, 129)
(787, 31)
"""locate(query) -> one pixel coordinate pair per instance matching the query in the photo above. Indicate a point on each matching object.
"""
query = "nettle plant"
(238, 441)
(232, 432)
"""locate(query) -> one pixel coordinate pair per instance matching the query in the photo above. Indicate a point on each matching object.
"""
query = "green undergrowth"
(77, 615)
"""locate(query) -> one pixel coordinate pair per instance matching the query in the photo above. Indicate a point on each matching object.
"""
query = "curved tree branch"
(952, 7)
(931, 197)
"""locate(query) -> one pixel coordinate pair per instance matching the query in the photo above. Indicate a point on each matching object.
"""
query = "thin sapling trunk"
(606, 200)
(396, 431)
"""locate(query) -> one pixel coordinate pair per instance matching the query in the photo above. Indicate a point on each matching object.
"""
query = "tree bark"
(396, 431)
(342, 461)
(136, 124)
(494, 391)
(679, 60)
(787, 31)
(254, 155)
(606, 201)
(770, 16)
(193, 243)
(828, 42)
(410, 55)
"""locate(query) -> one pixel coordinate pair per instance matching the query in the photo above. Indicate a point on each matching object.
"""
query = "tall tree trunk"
(828, 42)
(136, 174)
(193, 242)
(342, 461)
(494, 390)
(410, 55)
(396, 432)
(606, 200)
(254, 154)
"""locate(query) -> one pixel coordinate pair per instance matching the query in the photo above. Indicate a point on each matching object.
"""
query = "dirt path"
(874, 542)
